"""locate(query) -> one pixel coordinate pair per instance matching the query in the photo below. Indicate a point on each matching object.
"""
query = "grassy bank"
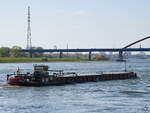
(11, 59)
(25, 59)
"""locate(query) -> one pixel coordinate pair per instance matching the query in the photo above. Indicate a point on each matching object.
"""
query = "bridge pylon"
(90, 56)
(121, 55)
(61, 55)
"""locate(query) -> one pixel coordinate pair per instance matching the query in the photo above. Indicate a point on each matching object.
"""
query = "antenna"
(29, 44)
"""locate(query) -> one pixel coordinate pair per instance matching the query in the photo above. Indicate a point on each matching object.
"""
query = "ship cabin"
(41, 70)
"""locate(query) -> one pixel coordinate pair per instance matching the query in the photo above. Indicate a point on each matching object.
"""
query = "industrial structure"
(29, 43)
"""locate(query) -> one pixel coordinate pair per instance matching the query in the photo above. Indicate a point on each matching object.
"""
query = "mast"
(29, 44)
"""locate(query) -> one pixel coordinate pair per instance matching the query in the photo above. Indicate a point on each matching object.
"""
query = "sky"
(76, 23)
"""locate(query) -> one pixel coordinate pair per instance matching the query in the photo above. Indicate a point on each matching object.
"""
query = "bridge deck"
(87, 50)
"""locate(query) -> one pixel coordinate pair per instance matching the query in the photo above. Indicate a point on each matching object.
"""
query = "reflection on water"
(118, 96)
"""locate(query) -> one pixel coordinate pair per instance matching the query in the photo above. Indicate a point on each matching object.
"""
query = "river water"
(116, 96)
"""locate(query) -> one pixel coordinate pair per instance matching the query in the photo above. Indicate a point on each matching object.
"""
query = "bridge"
(120, 50)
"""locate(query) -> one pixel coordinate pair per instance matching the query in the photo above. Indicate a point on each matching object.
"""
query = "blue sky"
(78, 23)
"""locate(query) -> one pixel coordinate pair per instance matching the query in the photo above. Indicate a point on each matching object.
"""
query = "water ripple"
(117, 96)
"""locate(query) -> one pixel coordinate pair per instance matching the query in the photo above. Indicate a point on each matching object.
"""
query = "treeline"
(11, 52)
(15, 52)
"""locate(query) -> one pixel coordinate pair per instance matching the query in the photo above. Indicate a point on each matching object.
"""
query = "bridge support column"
(60, 54)
(120, 55)
(90, 56)
(31, 53)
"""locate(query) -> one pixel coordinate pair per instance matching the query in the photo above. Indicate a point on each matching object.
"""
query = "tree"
(4, 52)
(36, 54)
(15, 52)
(100, 57)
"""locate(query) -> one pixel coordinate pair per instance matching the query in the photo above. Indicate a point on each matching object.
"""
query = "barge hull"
(58, 80)
(96, 77)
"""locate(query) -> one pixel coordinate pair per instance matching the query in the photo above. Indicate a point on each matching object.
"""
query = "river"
(116, 96)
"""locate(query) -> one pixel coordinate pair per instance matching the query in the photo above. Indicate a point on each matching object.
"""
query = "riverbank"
(22, 59)
(11, 60)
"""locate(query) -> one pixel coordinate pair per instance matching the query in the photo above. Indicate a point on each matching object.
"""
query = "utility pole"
(29, 44)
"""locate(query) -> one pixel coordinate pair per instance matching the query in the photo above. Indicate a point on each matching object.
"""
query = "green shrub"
(100, 57)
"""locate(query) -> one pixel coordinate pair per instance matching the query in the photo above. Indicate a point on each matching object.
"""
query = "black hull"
(59, 80)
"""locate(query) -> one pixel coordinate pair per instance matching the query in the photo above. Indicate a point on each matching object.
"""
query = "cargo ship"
(42, 76)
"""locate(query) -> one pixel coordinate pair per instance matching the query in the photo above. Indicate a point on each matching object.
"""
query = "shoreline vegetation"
(12, 55)
(43, 59)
